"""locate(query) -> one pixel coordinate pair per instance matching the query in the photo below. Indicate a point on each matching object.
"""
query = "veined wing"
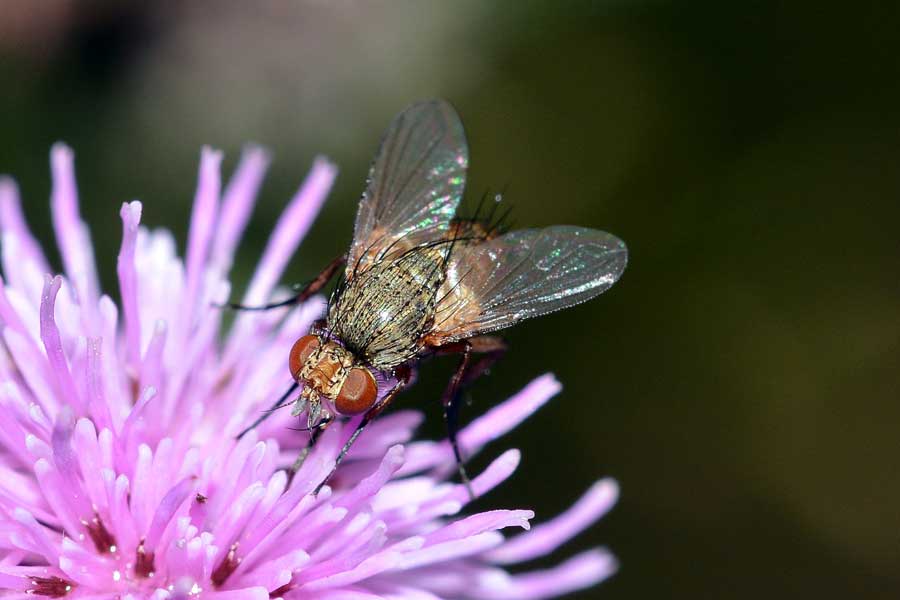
(415, 184)
(523, 274)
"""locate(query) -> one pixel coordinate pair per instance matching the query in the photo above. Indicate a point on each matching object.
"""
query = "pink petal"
(383, 561)
(39, 535)
(237, 203)
(65, 385)
(254, 593)
(72, 234)
(445, 552)
(12, 223)
(290, 229)
(547, 537)
(151, 365)
(292, 226)
(373, 483)
(484, 429)
(579, 572)
(96, 395)
(203, 219)
(480, 523)
(8, 314)
(90, 459)
(33, 366)
(128, 282)
(168, 507)
(508, 415)
(66, 463)
(52, 487)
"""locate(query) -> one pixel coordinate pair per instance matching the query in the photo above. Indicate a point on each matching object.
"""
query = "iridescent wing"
(523, 274)
(414, 185)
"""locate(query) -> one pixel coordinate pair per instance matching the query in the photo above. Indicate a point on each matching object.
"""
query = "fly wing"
(523, 274)
(415, 184)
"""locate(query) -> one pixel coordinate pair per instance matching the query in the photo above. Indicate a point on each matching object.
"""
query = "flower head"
(120, 475)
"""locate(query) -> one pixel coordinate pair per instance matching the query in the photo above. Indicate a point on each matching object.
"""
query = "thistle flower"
(120, 476)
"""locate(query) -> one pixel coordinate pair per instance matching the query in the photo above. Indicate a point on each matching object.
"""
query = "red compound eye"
(358, 394)
(301, 352)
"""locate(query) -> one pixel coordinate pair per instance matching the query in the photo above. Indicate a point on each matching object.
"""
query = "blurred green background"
(741, 380)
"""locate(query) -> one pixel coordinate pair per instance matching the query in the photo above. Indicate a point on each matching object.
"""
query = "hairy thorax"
(383, 313)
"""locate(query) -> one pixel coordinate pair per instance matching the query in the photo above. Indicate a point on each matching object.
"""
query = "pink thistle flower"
(120, 476)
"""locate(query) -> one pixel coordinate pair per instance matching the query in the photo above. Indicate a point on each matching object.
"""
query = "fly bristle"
(484, 223)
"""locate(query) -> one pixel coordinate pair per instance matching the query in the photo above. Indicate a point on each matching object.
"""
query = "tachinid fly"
(419, 281)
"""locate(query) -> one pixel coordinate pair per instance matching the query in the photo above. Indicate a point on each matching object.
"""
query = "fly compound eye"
(300, 353)
(358, 393)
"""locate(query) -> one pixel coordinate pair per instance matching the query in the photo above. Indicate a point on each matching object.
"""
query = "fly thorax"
(383, 313)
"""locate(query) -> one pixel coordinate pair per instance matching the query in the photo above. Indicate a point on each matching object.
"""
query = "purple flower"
(120, 476)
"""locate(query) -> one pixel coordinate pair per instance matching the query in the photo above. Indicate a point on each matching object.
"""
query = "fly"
(418, 281)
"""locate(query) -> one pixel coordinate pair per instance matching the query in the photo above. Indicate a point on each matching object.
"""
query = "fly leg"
(403, 376)
(282, 401)
(467, 372)
(317, 328)
(303, 293)
(314, 434)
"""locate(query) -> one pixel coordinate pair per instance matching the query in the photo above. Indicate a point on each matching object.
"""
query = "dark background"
(740, 381)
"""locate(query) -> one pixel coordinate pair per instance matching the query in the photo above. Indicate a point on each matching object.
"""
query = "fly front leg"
(282, 401)
(403, 375)
(314, 433)
(317, 328)
(467, 372)
(304, 292)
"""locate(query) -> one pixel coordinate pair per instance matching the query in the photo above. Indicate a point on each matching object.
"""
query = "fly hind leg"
(468, 371)
(303, 293)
